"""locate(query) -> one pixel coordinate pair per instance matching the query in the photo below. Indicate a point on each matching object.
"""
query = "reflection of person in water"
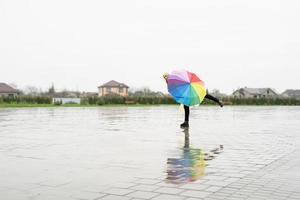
(190, 167)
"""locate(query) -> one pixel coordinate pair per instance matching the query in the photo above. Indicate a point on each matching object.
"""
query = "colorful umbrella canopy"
(186, 88)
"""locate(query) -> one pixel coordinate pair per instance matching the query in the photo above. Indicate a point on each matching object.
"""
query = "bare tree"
(31, 90)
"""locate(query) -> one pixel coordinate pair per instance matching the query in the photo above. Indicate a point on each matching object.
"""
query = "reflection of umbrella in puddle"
(190, 167)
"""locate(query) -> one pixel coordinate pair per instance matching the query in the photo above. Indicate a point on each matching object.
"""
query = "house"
(113, 88)
(8, 91)
(291, 94)
(255, 93)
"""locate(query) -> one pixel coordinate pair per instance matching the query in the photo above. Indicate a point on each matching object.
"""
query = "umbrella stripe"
(176, 82)
(200, 90)
(195, 96)
(187, 97)
(179, 90)
(178, 78)
(190, 75)
(181, 73)
(191, 99)
(196, 79)
(179, 86)
(200, 83)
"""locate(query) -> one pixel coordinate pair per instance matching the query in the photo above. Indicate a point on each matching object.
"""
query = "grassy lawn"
(75, 105)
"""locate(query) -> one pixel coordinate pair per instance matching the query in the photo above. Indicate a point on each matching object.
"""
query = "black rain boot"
(221, 104)
(184, 124)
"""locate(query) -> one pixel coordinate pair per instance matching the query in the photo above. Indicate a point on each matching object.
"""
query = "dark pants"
(186, 113)
(208, 96)
(187, 108)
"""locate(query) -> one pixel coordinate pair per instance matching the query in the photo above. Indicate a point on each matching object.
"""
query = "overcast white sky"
(82, 44)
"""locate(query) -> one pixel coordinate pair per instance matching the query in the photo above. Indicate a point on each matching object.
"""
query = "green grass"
(75, 105)
(24, 105)
(36, 105)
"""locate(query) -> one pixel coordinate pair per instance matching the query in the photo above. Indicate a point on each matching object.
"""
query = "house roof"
(255, 91)
(291, 93)
(4, 88)
(113, 83)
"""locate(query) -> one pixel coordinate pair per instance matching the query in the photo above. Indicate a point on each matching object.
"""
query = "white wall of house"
(100, 93)
(66, 100)
(114, 90)
(246, 95)
(8, 94)
(268, 93)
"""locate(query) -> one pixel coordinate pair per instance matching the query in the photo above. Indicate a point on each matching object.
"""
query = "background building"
(7, 91)
(113, 88)
(255, 93)
(291, 94)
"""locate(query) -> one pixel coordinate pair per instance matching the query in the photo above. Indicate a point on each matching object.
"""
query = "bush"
(26, 100)
(146, 100)
(58, 103)
(122, 100)
(262, 101)
(100, 101)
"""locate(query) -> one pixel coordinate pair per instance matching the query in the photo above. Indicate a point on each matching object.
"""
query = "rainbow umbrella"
(186, 88)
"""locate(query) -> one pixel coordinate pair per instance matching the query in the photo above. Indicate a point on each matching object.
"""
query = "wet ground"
(141, 153)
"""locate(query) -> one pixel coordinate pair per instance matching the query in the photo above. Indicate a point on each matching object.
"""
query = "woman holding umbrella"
(186, 88)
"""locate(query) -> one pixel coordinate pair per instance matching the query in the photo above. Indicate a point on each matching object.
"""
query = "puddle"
(191, 164)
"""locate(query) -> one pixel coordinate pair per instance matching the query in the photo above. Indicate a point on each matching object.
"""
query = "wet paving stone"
(115, 197)
(147, 188)
(166, 190)
(143, 195)
(118, 191)
(168, 197)
(195, 194)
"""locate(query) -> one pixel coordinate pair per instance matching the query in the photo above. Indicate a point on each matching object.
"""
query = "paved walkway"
(279, 180)
(92, 154)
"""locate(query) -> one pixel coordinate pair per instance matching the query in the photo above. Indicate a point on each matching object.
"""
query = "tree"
(31, 90)
(51, 90)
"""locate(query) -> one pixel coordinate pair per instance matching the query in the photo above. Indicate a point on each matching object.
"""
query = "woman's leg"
(185, 124)
(186, 113)
(208, 96)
